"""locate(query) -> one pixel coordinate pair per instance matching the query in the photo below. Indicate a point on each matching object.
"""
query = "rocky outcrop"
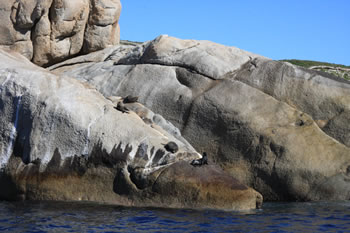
(276, 127)
(48, 31)
(60, 139)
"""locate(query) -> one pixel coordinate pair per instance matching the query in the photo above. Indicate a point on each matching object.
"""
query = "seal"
(205, 158)
(200, 162)
(122, 108)
(130, 99)
(171, 147)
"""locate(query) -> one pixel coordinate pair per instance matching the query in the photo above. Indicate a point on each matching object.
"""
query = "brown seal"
(171, 147)
(122, 108)
(130, 99)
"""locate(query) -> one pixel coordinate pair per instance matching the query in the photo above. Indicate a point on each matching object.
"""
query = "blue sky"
(278, 29)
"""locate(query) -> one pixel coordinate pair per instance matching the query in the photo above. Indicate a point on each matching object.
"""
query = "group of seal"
(171, 146)
(200, 162)
(127, 100)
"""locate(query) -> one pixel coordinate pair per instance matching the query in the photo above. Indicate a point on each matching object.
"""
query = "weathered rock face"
(60, 139)
(326, 98)
(198, 185)
(278, 128)
(48, 31)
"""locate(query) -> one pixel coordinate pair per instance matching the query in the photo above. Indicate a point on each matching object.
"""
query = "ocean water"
(89, 217)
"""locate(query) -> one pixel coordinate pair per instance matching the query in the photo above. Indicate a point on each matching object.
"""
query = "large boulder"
(60, 139)
(276, 127)
(48, 31)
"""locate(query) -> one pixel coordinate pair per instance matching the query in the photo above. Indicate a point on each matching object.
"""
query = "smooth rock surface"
(49, 31)
(60, 139)
(326, 98)
(276, 127)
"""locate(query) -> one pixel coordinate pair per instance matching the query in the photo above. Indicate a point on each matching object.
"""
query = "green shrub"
(307, 63)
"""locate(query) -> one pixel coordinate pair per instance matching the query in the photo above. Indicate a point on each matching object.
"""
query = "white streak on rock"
(150, 161)
(86, 147)
(87, 142)
(132, 154)
(8, 77)
(148, 171)
(4, 158)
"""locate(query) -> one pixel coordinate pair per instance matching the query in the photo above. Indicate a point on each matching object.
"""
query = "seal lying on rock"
(122, 108)
(130, 99)
(171, 147)
(200, 162)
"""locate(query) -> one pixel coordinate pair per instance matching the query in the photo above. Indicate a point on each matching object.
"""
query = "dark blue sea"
(88, 217)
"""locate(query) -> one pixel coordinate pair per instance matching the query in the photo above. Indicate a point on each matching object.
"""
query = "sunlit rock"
(60, 139)
(49, 31)
(276, 127)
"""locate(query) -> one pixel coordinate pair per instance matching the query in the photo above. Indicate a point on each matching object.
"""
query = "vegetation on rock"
(341, 71)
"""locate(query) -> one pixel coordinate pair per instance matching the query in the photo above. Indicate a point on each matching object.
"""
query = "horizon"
(312, 30)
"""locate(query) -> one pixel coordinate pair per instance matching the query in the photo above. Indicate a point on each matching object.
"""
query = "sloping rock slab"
(60, 139)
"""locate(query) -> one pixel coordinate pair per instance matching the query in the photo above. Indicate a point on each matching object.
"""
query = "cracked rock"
(49, 31)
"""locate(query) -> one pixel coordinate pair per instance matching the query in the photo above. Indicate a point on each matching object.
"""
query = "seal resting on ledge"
(171, 147)
(122, 108)
(200, 162)
(130, 99)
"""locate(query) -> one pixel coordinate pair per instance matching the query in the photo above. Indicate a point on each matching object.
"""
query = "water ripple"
(87, 217)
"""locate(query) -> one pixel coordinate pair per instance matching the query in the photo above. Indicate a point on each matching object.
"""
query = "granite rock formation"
(48, 31)
(276, 127)
(60, 139)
